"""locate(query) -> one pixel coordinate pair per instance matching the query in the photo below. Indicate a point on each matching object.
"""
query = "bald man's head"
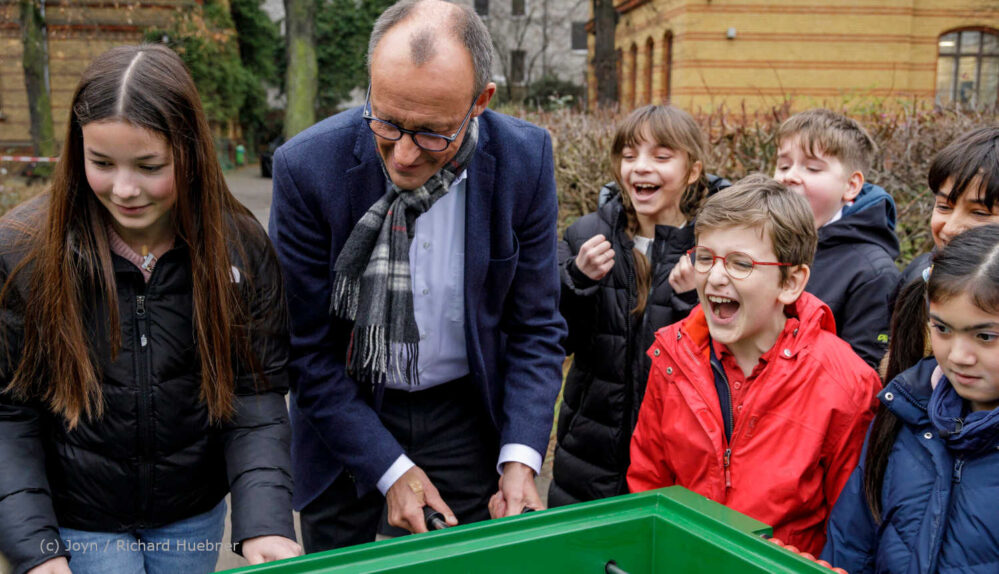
(422, 46)
(427, 22)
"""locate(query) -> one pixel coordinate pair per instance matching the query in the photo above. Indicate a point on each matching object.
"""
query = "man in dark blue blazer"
(418, 239)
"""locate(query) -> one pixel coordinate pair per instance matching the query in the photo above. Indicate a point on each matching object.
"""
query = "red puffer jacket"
(797, 436)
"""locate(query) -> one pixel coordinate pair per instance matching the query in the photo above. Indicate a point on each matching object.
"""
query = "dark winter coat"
(605, 386)
(153, 458)
(940, 492)
(854, 272)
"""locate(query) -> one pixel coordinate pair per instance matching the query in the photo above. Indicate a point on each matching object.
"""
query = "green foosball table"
(671, 530)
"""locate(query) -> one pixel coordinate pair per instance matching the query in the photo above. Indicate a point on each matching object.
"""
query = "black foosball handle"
(435, 520)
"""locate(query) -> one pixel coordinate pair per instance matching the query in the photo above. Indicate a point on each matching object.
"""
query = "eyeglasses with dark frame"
(737, 264)
(427, 141)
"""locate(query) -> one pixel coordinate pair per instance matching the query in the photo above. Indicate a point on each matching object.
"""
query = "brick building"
(699, 54)
(78, 31)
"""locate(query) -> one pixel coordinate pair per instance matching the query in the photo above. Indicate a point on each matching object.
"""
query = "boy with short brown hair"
(753, 401)
(823, 156)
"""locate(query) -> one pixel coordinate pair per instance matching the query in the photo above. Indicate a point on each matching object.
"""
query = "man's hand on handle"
(517, 491)
(407, 497)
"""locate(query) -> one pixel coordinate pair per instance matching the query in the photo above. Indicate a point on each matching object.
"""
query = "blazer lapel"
(478, 223)
(365, 182)
(478, 209)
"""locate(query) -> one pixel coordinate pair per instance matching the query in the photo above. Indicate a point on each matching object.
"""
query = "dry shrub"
(14, 190)
(742, 142)
(908, 140)
(581, 143)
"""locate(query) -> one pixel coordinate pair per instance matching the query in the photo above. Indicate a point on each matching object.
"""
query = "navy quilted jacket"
(940, 497)
(854, 272)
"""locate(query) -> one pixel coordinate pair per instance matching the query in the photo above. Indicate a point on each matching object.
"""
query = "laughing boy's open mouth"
(723, 307)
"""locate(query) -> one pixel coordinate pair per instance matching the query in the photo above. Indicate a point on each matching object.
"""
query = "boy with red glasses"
(752, 400)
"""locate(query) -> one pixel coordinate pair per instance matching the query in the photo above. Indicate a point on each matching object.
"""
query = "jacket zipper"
(633, 414)
(941, 524)
(958, 467)
(628, 370)
(729, 423)
(730, 415)
(654, 263)
(142, 374)
(728, 451)
(728, 472)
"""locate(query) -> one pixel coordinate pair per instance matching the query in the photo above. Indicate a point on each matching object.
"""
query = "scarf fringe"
(345, 297)
(370, 351)
(406, 364)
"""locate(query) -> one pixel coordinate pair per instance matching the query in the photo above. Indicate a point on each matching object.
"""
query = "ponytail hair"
(969, 264)
(908, 343)
(880, 440)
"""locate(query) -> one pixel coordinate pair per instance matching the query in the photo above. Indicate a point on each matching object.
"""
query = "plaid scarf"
(372, 283)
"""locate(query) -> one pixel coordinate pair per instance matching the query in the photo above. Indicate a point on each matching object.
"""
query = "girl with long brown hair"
(618, 287)
(144, 341)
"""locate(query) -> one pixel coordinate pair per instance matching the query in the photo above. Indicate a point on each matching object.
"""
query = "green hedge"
(742, 142)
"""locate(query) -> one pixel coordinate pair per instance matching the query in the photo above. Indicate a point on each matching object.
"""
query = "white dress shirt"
(437, 272)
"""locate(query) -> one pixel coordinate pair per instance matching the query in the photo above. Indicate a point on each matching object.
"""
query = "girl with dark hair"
(144, 341)
(617, 290)
(924, 497)
(964, 179)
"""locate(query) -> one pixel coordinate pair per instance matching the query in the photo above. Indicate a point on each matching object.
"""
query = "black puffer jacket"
(606, 383)
(153, 458)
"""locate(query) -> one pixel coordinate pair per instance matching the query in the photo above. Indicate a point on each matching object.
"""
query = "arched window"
(633, 77)
(619, 69)
(667, 66)
(968, 68)
(650, 51)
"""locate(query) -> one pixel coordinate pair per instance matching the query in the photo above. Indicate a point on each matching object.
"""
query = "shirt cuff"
(394, 472)
(519, 453)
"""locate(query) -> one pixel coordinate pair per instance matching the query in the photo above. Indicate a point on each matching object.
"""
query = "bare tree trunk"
(545, 70)
(36, 75)
(604, 59)
(505, 65)
(303, 71)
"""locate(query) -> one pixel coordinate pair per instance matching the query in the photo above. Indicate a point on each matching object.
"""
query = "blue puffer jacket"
(940, 498)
